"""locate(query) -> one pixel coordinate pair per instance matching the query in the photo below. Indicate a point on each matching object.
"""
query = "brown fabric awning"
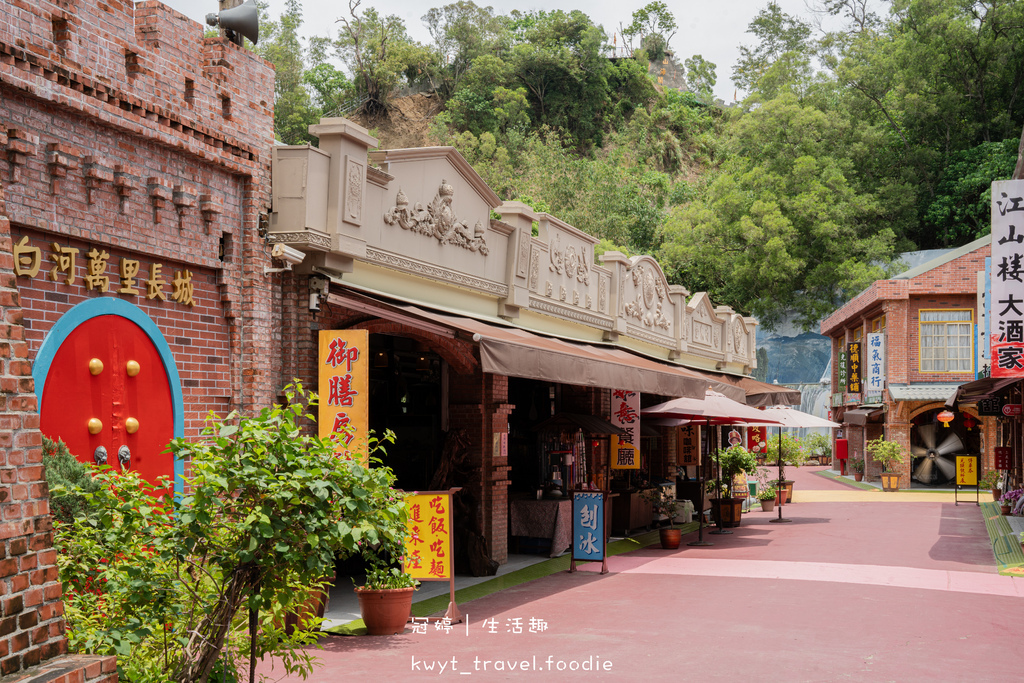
(515, 352)
(760, 393)
(986, 387)
(588, 423)
(861, 416)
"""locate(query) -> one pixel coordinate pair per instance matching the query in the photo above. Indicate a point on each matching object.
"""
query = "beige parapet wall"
(417, 224)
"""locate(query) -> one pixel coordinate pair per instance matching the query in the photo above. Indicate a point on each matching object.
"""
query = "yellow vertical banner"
(428, 541)
(344, 395)
(625, 451)
(966, 473)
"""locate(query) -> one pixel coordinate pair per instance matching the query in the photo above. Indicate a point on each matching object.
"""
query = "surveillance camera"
(314, 302)
(287, 254)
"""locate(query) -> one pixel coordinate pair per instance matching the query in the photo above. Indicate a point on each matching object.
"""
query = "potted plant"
(665, 504)
(767, 497)
(792, 455)
(991, 481)
(1009, 500)
(731, 462)
(385, 600)
(888, 454)
(858, 469)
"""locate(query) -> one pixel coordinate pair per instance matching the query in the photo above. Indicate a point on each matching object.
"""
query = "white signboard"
(1007, 323)
(874, 364)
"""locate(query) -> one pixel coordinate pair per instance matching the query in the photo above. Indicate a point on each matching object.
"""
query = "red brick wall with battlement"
(123, 128)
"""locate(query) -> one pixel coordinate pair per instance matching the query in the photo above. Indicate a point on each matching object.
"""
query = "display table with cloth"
(543, 519)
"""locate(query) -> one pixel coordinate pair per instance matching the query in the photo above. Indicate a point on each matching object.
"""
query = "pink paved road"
(848, 591)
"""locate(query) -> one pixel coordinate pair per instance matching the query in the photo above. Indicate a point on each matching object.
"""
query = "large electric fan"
(934, 461)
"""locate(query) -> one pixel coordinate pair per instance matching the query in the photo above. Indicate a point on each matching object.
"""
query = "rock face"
(796, 360)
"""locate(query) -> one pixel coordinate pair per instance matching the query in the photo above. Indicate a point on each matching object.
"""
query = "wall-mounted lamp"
(319, 285)
(380, 359)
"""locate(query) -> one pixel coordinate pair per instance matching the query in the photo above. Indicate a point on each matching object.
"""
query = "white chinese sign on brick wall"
(874, 364)
(1007, 325)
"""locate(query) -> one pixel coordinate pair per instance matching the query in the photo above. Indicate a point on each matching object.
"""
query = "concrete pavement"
(876, 590)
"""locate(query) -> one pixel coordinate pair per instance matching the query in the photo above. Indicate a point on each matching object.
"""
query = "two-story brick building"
(926, 320)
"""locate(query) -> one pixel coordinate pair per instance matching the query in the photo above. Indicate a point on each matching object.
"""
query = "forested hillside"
(850, 145)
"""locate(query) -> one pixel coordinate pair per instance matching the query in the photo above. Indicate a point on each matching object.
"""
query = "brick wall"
(124, 128)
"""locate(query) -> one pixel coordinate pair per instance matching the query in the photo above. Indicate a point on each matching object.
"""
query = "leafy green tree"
(778, 33)
(783, 229)
(462, 32)
(700, 77)
(652, 27)
(280, 45)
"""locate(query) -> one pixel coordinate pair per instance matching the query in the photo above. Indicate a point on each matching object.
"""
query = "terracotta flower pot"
(385, 612)
(1005, 509)
(768, 505)
(858, 476)
(670, 537)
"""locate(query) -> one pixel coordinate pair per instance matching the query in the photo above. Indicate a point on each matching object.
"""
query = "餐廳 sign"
(1007, 327)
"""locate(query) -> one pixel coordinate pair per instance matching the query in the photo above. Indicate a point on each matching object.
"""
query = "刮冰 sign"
(688, 445)
(344, 377)
(588, 537)
(874, 364)
(1006, 340)
(625, 451)
(853, 368)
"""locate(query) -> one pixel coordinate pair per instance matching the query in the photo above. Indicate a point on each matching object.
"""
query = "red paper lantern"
(945, 417)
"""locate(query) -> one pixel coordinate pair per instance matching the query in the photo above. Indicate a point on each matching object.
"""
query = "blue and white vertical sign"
(588, 525)
(874, 363)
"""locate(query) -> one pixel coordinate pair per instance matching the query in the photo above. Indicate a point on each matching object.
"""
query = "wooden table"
(543, 519)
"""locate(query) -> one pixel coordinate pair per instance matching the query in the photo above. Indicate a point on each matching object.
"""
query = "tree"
(653, 26)
(377, 51)
(700, 77)
(783, 229)
(779, 33)
(462, 32)
(279, 44)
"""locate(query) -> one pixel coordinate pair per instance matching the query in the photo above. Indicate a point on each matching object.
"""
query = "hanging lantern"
(945, 417)
(969, 421)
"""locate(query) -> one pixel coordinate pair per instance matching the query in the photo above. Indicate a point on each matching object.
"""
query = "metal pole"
(720, 530)
(782, 484)
(700, 519)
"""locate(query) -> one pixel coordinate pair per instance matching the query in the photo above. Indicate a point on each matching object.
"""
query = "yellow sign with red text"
(344, 398)
(966, 472)
(428, 544)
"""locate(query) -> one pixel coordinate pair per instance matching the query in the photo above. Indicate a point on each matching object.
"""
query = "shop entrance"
(934, 446)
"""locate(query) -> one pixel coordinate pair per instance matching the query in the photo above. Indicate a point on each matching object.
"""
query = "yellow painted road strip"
(862, 496)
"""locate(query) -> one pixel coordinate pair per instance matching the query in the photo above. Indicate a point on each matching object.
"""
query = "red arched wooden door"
(107, 386)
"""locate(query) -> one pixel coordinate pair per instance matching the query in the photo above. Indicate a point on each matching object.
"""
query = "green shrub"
(168, 583)
(792, 452)
(63, 472)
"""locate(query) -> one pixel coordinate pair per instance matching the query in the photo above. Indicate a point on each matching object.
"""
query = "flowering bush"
(1011, 497)
(768, 493)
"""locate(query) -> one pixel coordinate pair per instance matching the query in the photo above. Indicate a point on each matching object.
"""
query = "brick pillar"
(32, 624)
(900, 433)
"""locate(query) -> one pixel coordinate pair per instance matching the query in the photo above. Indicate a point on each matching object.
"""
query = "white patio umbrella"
(789, 417)
(715, 409)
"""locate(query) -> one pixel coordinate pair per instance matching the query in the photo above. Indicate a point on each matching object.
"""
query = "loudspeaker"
(238, 21)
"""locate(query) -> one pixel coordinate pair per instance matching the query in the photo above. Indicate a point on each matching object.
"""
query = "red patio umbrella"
(715, 409)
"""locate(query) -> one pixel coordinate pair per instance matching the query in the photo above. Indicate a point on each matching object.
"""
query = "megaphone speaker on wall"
(239, 21)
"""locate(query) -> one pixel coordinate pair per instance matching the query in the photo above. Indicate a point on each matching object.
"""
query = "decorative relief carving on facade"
(524, 253)
(602, 295)
(702, 314)
(548, 289)
(354, 192)
(569, 262)
(701, 333)
(435, 272)
(534, 268)
(438, 220)
(590, 301)
(562, 311)
(650, 298)
(737, 338)
(306, 238)
(575, 298)
(561, 292)
(717, 337)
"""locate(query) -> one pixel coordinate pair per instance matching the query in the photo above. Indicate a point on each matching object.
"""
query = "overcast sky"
(714, 29)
